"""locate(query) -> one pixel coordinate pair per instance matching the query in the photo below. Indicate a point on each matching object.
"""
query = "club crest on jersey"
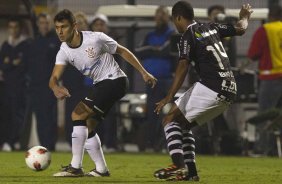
(90, 52)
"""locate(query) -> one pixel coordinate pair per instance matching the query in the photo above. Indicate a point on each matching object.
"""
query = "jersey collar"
(81, 40)
(194, 22)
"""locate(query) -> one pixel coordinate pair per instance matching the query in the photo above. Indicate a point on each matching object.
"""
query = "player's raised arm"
(130, 58)
(244, 17)
(59, 91)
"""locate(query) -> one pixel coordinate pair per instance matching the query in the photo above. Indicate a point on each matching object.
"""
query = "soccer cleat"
(69, 171)
(171, 172)
(95, 173)
(187, 178)
(192, 178)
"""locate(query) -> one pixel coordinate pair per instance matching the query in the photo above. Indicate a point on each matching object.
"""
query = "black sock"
(173, 135)
(189, 152)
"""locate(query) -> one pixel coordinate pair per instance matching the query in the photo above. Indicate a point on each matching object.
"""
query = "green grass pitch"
(139, 168)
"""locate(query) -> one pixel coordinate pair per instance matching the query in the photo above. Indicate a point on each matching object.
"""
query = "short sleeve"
(61, 58)
(184, 47)
(109, 45)
(225, 30)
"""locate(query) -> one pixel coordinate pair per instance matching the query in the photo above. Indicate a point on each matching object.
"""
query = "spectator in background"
(156, 58)
(41, 60)
(74, 81)
(100, 23)
(216, 13)
(12, 64)
(107, 130)
(266, 46)
(81, 21)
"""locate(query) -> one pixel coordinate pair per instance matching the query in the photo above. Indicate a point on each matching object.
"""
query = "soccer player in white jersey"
(200, 43)
(92, 54)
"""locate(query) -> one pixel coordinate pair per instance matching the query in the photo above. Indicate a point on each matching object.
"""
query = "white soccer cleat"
(69, 171)
(95, 173)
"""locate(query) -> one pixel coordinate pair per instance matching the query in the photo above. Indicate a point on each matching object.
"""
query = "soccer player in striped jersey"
(200, 43)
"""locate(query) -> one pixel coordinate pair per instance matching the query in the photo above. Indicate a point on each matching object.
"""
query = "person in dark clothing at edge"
(156, 58)
(41, 101)
(3, 116)
(12, 64)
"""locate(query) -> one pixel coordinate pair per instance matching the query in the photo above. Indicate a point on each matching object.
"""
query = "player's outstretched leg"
(94, 149)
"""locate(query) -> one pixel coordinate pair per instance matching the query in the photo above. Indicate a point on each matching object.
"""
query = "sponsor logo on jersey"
(90, 52)
(222, 26)
(226, 74)
(198, 36)
(86, 70)
(209, 33)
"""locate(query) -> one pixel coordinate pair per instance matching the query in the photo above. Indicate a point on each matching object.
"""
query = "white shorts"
(200, 104)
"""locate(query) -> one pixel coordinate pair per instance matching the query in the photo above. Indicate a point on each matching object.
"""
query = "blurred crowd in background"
(27, 60)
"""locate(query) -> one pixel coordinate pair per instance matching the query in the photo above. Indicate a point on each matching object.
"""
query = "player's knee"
(91, 124)
(75, 116)
(167, 119)
(80, 112)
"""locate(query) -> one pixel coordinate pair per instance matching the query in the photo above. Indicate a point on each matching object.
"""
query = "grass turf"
(139, 168)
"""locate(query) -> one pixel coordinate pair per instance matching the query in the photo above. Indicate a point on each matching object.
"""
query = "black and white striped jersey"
(201, 43)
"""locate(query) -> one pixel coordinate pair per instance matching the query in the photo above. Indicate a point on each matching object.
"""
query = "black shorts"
(104, 94)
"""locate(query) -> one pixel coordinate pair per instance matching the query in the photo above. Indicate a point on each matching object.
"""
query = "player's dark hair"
(65, 15)
(15, 19)
(184, 9)
(216, 7)
(275, 12)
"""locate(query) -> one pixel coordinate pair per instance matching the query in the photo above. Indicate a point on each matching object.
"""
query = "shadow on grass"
(50, 179)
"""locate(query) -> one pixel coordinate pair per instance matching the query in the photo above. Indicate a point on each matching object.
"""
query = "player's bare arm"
(130, 58)
(244, 17)
(180, 74)
(59, 91)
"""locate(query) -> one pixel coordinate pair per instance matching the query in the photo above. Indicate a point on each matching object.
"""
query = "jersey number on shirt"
(216, 50)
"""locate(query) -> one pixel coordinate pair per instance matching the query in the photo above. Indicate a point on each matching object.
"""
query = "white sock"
(79, 136)
(94, 149)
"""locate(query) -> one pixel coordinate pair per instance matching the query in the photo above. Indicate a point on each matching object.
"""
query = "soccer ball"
(38, 158)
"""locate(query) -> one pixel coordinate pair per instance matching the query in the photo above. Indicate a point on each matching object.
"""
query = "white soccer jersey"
(93, 58)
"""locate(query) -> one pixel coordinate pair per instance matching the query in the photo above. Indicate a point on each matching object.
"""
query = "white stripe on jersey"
(93, 58)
